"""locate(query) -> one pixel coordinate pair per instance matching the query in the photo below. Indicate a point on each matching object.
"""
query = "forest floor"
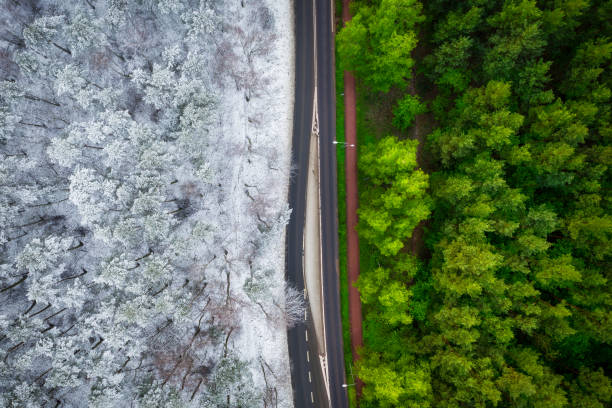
(423, 125)
(250, 121)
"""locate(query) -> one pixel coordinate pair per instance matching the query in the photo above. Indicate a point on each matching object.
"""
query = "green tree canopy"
(377, 43)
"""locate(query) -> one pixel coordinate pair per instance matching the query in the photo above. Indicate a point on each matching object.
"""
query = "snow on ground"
(262, 128)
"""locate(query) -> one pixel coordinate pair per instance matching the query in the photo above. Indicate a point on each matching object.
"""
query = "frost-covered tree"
(231, 385)
(126, 236)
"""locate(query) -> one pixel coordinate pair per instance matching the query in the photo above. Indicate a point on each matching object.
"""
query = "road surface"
(326, 92)
(308, 386)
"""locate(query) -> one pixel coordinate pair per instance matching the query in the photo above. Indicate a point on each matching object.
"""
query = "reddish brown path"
(352, 253)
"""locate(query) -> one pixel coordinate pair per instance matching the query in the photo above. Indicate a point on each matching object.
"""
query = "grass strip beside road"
(366, 135)
(367, 261)
(340, 154)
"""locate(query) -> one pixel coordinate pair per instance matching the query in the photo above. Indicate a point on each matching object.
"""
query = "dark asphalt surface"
(326, 90)
(309, 391)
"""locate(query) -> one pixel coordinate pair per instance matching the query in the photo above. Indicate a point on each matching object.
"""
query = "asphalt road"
(302, 353)
(306, 376)
(326, 93)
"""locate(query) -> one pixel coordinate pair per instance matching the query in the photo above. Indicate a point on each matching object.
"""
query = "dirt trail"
(352, 253)
(423, 125)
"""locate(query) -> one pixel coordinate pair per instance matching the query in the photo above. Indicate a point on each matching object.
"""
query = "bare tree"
(295, 306)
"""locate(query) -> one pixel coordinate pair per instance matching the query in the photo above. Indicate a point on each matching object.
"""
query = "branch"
(36, 98)
(23, 278)
(196, 390)
(161, 290)
(40, 311)
(66, 50)
(40, 220)
(33, 124)
(49, 327)
(9, 351)
(177, 210)
(72, 277)
(144, 256)
(67, 330)
(226, 341)
(98, 343)
(30, 308)
(54, 314)
(263, 310)
(42, 375)
(187, 372)
(17, 237)
(173, 370)
(123, 366)
(261, 220)
(76, 247)
(227, 290)
(49, 203)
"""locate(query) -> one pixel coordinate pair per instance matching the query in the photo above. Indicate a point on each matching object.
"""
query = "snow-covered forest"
(144, 162)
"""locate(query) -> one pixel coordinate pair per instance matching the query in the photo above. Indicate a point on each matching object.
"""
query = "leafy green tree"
(403, 383)
(377, 43)
(592, 389)
(448, 65)
(406, 110)
(388, 292)
(396, 201)
(458, 24)
(517, 38)
(482, 121)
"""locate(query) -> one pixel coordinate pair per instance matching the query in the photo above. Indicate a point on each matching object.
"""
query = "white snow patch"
(261, 130)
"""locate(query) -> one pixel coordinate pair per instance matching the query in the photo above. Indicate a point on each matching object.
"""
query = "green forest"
(493, 141)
